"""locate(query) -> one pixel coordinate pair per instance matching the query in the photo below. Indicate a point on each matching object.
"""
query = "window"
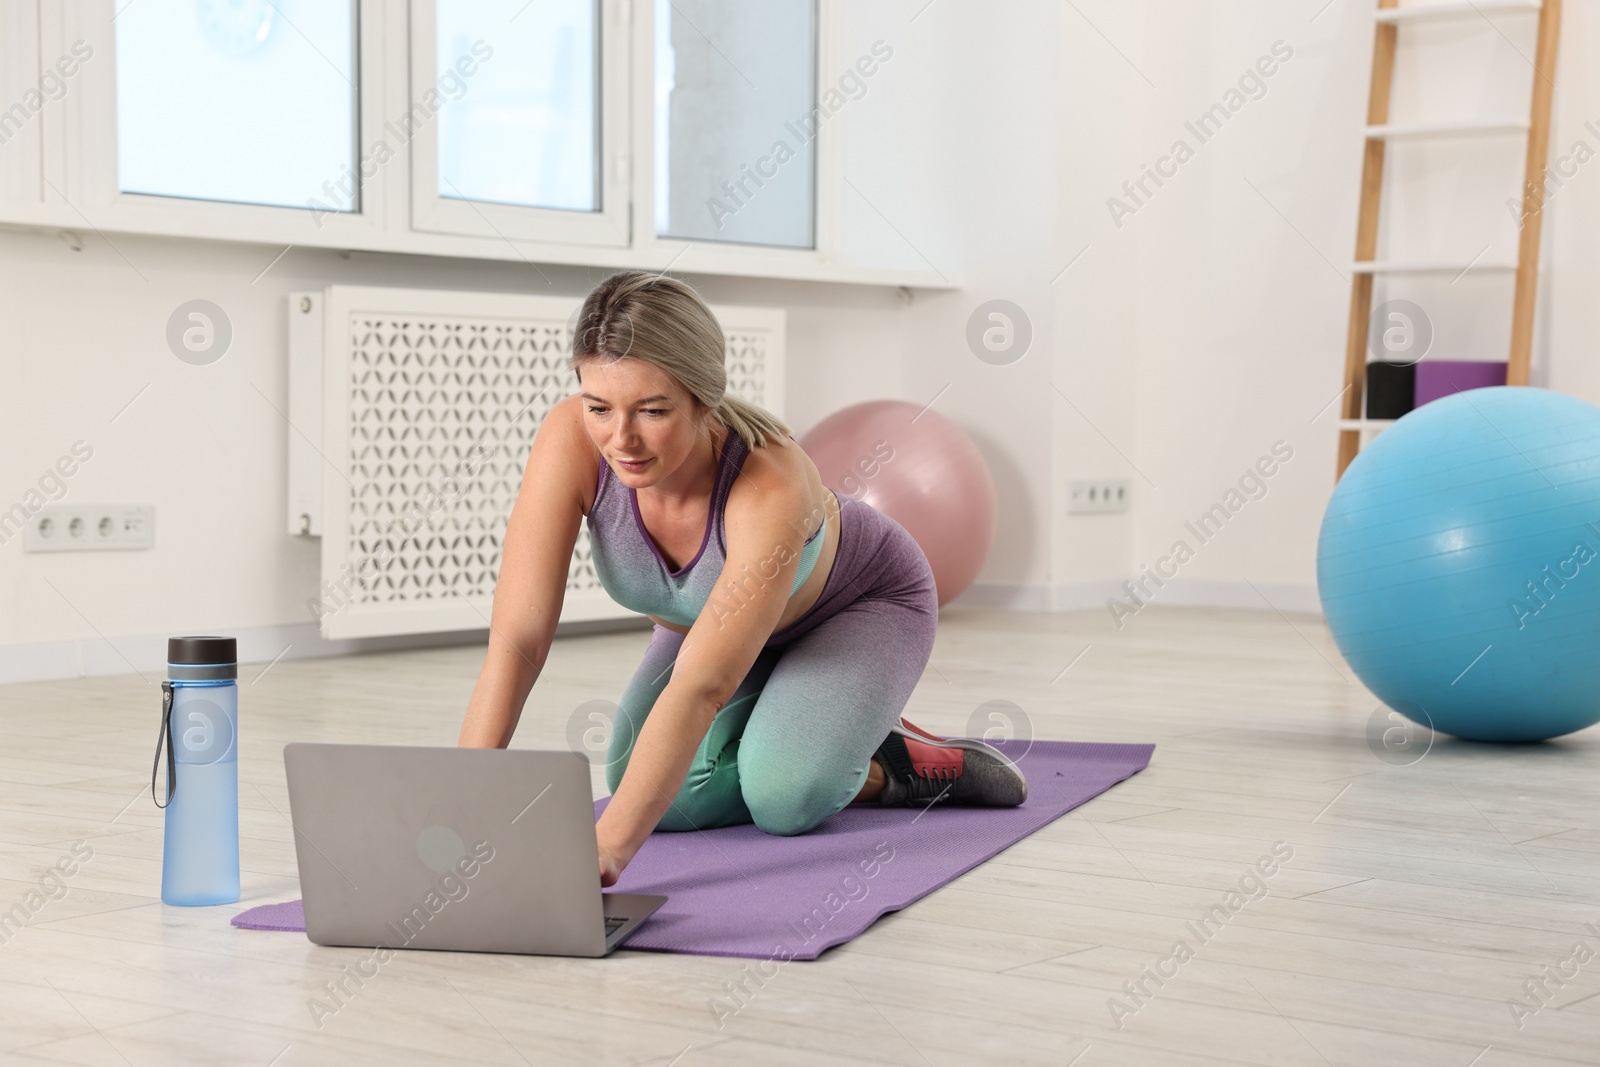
(691, 135)
(530, 139)
(26, 92)
(249, 101)
(735, 88)
(527, 132)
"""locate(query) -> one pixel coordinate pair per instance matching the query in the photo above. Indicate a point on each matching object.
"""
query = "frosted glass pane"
(247, 101)
(735, 87)
(526, 130)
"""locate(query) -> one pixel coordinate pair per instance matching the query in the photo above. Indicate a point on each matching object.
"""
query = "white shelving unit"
(1378, 132)
(1428, 266)
(1373, 425)
(1455, 8)
(1417, 130)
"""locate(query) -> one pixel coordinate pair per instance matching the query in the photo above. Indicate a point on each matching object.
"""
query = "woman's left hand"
(610, 867)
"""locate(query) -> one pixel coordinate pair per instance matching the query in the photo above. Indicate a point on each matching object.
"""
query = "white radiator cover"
(412, 412)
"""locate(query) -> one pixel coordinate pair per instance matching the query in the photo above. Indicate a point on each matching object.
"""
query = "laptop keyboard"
(614, 923)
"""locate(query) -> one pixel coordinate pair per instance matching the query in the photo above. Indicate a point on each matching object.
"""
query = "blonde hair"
(663, 322)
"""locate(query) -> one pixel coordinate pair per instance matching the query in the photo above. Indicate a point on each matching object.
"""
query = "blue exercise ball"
(1459, 564)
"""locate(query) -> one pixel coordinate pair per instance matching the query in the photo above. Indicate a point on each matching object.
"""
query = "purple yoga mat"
(737, 891)
(1442, 377)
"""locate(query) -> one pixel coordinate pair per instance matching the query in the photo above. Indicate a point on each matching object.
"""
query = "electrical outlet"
(1089, 496)
(90, 528)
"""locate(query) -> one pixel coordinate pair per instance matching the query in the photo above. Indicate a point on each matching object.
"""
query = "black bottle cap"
(202, 650)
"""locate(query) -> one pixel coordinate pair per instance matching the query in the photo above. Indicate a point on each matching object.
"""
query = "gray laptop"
(464, 849)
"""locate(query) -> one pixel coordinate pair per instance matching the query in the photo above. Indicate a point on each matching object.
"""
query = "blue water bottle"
(200, 730)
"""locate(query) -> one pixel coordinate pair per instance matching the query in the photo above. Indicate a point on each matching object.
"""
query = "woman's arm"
(765, 529)
(534, 560)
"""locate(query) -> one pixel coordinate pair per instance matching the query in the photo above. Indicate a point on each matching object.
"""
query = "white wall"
(1570, 321)
(962, 135)
(1097, 418)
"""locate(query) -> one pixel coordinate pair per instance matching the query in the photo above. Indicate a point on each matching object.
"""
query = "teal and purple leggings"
(793, 745)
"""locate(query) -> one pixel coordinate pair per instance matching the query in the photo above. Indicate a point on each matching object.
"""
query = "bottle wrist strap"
(165, 740)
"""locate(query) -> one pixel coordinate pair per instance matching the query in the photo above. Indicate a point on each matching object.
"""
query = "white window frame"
(690, 254)
(70, 170)
(20, 70)
(608, 226)
(90, 175)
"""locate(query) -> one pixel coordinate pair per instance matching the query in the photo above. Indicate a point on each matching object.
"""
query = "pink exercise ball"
(921, 470)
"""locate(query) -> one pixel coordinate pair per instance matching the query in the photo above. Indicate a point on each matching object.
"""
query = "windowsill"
(680, 256)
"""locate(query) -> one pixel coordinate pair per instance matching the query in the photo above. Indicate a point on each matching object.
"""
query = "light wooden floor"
(1418, 900)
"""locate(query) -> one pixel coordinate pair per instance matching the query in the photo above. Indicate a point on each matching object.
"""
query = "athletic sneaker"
(923, 769)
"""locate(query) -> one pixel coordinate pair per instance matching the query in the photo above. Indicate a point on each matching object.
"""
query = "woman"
(790, 625)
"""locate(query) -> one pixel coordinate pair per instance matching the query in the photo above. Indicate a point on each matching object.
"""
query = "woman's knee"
(785, 819)
(785, 811)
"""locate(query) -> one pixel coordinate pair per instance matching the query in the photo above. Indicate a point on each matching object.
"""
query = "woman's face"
(635, 411)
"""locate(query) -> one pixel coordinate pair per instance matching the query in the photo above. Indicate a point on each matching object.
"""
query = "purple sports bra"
(633, 571)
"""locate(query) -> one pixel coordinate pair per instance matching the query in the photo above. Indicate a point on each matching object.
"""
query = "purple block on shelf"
(1441, 377)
